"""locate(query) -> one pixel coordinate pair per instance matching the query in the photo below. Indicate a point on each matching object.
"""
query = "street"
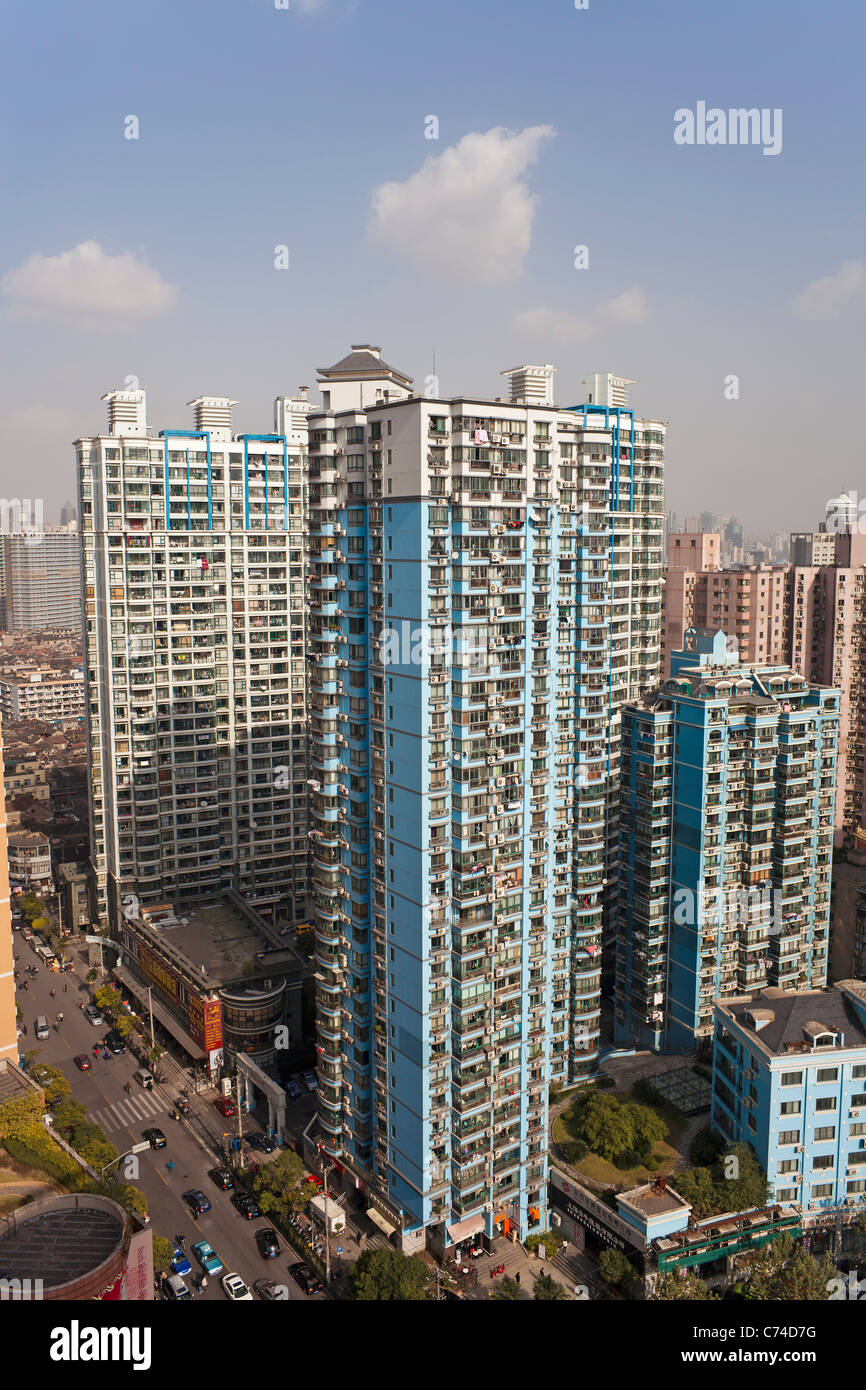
(194, 1145)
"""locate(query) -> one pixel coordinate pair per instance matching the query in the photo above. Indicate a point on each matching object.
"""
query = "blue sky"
(261, 127)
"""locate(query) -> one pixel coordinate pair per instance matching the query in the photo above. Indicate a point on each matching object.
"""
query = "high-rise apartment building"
(194, 572)
(828, 644)
(813, 548)
(484, 593)
(688, 553)
(750, 603)
(42, 587)
(728, 779)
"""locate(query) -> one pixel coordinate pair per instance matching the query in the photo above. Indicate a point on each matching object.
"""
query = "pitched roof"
(363, 359)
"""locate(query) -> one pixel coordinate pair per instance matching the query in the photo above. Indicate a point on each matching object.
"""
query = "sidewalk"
(567, 1269)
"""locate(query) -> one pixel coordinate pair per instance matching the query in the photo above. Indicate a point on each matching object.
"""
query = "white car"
(235, 1289)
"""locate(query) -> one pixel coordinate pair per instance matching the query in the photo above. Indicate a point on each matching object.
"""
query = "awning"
(462, 1230)
(161, 1014)
(379, 1220)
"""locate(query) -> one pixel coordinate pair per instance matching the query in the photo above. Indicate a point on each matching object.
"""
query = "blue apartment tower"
(728, 782)
(460, 638)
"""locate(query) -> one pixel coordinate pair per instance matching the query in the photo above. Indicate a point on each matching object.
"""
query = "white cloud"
(557, 324)
(466, 213)
(629, 307)
(831, 296)
(86, 280)
(564, 327)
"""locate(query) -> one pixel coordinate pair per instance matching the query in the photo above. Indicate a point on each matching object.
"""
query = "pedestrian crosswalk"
(131, 1111)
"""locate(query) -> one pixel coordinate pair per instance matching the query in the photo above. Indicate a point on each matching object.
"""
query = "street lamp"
(136, 1149)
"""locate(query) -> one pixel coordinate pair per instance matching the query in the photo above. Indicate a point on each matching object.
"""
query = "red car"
(83, 1062)
(226, 1106)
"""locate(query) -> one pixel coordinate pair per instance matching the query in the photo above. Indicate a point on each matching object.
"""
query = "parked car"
(293, 1090)
(207, 1257)
(92, 1014)
(273, 1293)
(263, 1142)
(179, 1263)
(303, 1275)
(114, 1042)
(268, 1242)
(235, 1289)
(196, 1201)
(246, 1205)
(155, 1138)
(83, 1062)
(226, 1106)
(310, 1080)
(174, 1287)
(222, 1177)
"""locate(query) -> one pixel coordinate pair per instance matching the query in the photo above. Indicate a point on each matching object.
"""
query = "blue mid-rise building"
(789, 1078)
(726, 823)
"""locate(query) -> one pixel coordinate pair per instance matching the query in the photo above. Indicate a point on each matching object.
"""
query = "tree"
(788, 1273)
(735, 1182)
(603, 1127)
(617, 1270)
(686, 1288)
(698, 1186)
(620, 1133)
(548, 1290)
(282, 1186)
(507, 1291)
(648, 1127)
(67, 1115)
(162, 1252)
(154, 1056)
(386, 1275)
(52, 1081)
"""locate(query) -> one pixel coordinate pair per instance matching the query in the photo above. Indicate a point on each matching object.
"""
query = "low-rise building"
(24, 775)
(789, 1078)
(54, 696)
(217, 983)
(29, 859)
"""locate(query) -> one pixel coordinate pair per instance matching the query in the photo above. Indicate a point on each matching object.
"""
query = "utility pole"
(240, 1118)
(326, 1168)
(150, 1011)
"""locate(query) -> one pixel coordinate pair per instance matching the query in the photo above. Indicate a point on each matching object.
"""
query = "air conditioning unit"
(489, 976)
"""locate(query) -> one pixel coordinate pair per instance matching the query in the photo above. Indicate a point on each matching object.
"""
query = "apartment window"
(826, 1103)
(828, 1074)
(822, 1189)
(858, 1073)
(789, 1165)
(789, 1136)
(825, 1161)
(786, 1194)
(790, 1107)
(792, 1078)
(859, 1099)
(824, 1133)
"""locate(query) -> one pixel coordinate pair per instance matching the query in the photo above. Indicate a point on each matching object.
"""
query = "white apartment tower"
(193, 590)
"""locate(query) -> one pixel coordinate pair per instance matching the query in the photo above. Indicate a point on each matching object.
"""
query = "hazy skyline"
(259, 128)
